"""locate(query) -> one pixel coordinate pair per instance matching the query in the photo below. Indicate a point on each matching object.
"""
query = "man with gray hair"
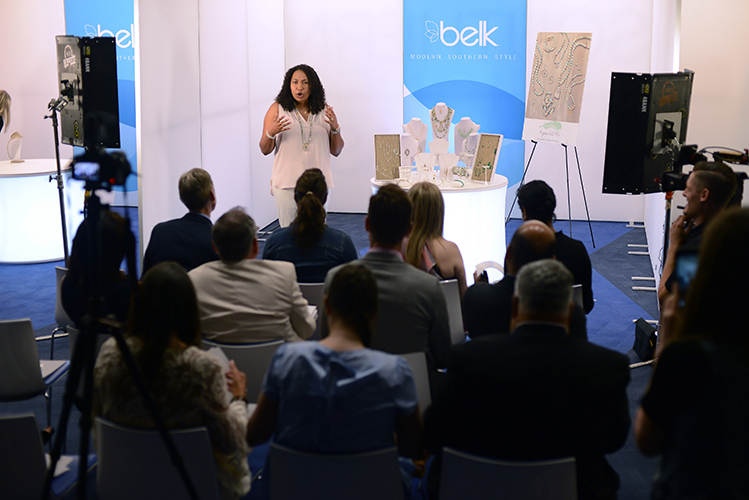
(242, 299)
(186, 241)
(538, 393)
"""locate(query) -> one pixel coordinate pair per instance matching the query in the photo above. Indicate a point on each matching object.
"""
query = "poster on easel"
(555, 90)
(486, 157)
(387, 156)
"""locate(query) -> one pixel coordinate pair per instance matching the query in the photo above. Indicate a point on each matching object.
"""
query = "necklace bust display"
(418, 132)
(464, 128)
(442, 116)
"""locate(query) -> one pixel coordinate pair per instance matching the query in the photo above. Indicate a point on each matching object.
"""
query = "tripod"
(82, 364)
(567, 169)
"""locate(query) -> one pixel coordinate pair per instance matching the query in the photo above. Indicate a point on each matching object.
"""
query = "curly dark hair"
(316, 101)
(538, 200)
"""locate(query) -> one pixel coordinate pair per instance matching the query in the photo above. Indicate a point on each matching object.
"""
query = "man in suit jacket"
(186, 241)
(487, 308)
(242, 299)
(538, 393)
(412, 313)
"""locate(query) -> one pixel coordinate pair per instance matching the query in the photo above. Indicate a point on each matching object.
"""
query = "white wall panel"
(167, 93)
(224, 101)
(356, 47)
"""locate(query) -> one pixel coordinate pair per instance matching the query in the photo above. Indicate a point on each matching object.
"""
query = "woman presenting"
(303, 132)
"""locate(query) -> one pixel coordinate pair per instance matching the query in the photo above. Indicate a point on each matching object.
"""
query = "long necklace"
(305, 142)
(416, 137)
(441, 127)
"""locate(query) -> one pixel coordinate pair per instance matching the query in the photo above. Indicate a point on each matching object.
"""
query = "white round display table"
(474, 219)
(30, 227)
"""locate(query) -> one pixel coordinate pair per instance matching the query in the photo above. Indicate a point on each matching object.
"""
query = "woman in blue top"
(308, 243)
(337, 396)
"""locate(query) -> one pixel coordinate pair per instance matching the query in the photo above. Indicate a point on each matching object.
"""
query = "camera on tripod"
(675, 179)
(100, 169)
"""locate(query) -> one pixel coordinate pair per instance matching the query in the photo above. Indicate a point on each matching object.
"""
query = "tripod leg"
(590, 226)
(522, 180)
(567, 169)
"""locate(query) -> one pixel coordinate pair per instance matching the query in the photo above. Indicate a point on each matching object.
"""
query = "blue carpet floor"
(29, 291)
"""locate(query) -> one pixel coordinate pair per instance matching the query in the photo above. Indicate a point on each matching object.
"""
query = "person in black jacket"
(537, 202)
(186, 241)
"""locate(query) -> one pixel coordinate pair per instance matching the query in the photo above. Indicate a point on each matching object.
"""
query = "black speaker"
(646, 340)
(87, 73)
(644, 111)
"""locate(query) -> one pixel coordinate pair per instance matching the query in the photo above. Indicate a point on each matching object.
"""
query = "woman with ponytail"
(308, 243)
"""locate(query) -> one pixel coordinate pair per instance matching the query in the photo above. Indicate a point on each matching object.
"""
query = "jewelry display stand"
(567, 169)
(418, 131)
(441, 116)
(463, 130)
(409, 149)
(469, 146)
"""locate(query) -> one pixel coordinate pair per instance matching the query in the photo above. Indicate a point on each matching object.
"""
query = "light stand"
(54, 106)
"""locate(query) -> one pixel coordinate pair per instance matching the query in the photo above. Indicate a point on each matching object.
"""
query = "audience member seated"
(426, 248)
(710, 187)
(537, 202)
(536, 394)
(414, 311)
(308, 243)
(186, 240)
(338, 396)
(487, 309)
(242, 299)
(187, 384)
(95, 258)
(696, 410)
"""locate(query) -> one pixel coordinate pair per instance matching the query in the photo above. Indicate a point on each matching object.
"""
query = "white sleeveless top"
(290, 160)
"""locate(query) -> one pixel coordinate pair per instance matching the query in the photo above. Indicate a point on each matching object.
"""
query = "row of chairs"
(126, 453)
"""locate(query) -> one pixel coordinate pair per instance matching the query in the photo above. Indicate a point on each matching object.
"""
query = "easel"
(567, 169)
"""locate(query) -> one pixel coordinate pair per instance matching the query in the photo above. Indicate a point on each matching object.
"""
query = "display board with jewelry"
(387, 156)
(560, 65)
(486, 157)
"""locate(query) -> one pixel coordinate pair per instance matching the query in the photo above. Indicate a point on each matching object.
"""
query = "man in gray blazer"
(242, 299)
(412, 314)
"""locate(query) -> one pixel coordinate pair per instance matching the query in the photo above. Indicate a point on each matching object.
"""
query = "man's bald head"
(532, 241)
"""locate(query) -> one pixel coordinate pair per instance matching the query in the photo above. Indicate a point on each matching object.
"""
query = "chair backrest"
(467, 477)
(61, 317)
(313, 292)
(22, 463)
(490, 264)
(134, 463)
(252, 359)
(577, 294)
(20, 374)
(454, 313)
(418, 363)
(366, 476)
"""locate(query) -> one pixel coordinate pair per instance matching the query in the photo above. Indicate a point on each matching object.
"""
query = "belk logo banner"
(114, 18)
(470, 56)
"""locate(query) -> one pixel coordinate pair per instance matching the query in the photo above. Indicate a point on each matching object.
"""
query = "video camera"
(688, 154)
(100, 169)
